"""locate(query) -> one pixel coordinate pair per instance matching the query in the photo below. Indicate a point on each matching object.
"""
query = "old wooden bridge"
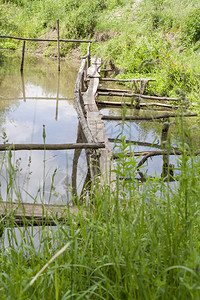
(92, 136)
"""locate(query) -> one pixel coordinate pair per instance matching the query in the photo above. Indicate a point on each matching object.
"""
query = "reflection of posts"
(57, 97)
(164, 135)
(77, 154)
(23, 87)
(23, 52)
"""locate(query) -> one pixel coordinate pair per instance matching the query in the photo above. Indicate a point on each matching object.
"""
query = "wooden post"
(23, 52)
(164, 135)
(58, 31)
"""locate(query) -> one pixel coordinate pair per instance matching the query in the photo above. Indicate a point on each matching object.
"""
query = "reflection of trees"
(38, 71)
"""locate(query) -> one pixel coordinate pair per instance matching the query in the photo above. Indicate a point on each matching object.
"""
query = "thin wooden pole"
(44, 40)
(58, 43)
(125, 80)
(51, 146)
(23, 52)
(147, 118)
(99, 93)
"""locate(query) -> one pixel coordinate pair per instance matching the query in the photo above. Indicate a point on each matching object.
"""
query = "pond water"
(42, 96)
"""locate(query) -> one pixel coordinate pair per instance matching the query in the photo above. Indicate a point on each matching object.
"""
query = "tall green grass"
(128, 243)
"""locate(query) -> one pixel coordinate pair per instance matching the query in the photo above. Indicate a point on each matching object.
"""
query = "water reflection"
(40, 96)
(144, 136)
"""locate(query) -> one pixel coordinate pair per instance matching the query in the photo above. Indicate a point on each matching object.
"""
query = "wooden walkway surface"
(100, 161)
(35, 214)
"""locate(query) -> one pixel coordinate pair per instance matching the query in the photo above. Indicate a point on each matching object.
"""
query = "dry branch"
(156, 153)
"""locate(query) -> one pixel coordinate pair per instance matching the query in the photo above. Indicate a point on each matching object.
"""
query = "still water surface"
(24, 109)
(43, 97)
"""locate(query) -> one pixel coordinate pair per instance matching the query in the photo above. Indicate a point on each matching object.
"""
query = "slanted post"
(58, 43)
(23, 52)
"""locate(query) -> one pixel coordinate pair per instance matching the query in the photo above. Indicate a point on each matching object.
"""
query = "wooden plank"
(78, 99)
(126, 80)
(35, 214)
(108, 103)
(97, 127)
(132, 95)
(17, 147)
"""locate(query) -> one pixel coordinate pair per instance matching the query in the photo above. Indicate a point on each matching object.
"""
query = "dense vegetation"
(148, 38)
(133, 243)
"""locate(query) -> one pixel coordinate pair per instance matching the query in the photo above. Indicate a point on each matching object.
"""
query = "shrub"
(191, 33)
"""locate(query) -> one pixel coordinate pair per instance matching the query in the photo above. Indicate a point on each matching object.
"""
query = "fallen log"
(147, 118)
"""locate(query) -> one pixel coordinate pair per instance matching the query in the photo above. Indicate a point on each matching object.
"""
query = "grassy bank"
(148, 38)
(136, 242)
(132, 243)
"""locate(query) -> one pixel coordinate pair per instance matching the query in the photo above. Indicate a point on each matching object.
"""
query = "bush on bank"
(147, 38)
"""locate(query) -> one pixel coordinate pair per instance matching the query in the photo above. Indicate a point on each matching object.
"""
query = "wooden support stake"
(23, 52)
(58, 39)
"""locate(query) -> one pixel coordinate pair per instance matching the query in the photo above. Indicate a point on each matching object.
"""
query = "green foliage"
(136, 243)
(192, 27)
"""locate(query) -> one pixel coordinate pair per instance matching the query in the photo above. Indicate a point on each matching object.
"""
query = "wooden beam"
(125, 80)
(44, 40)
(147, 118)
(137, 95)
(51, 146)
(35, 214)
(108, 103)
